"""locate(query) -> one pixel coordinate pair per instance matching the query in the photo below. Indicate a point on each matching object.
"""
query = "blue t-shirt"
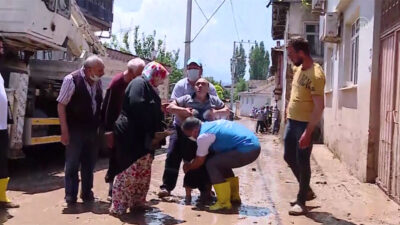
(230, 136)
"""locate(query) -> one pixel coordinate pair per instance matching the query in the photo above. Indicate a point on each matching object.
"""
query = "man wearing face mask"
(185, 86)
(79, 104)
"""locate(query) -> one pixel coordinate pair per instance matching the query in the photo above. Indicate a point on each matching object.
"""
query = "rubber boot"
(223, 191)
(235, 196)
(3, 189)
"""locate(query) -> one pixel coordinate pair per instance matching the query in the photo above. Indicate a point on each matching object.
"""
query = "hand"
(164, 107)
(305, 140)
(109, 137)
(186, 167)
(65, 138)
(187, 112)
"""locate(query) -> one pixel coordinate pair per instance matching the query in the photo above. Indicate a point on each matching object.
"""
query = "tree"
(259, 62)
(147, 47)
(241, 86)
(221, 92)
(240, 66)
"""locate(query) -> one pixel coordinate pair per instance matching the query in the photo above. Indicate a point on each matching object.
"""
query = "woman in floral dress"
(137, 134)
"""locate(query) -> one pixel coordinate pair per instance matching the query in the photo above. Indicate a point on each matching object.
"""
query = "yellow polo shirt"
(306, 83)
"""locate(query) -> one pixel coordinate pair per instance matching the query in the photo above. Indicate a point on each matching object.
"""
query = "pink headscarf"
(154, 69)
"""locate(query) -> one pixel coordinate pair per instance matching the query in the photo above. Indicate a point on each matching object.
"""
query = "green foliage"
(221, 91)
(259, 62)
(147, 47)
(240, 67)
(241, 86)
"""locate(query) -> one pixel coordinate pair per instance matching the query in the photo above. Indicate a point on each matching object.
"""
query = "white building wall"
(248, 101)
(347, 112)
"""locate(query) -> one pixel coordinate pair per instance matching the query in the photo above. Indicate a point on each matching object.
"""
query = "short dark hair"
(299, 44)
(2, 39)
(190, 123)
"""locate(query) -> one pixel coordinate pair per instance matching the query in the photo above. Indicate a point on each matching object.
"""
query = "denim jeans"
(298, 159)
(80, 153)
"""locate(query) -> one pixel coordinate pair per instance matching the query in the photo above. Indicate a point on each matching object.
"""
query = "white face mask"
(192, 139)
(94, 78)
(193, 74)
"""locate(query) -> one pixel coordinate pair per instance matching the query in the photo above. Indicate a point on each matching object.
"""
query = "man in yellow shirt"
(303, 113)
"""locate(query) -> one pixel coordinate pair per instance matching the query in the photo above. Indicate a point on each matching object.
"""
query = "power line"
(201, 10)
(234, 21)
(208, 20)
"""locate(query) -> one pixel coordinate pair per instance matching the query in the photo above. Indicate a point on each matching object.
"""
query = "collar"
(194, 96)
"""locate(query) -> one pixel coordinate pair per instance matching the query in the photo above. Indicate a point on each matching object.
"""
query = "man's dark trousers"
(298, 159)
(3, 154)
(81, 152)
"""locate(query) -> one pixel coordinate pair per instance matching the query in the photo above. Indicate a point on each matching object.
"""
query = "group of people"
(132, 115)
(267, 116)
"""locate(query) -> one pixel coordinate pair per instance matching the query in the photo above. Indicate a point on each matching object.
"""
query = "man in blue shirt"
(233, 145)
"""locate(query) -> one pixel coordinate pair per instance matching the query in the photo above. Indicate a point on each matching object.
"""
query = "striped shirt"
(68, 89)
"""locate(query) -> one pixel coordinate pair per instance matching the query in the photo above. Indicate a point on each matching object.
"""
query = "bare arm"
(181, 112)
(195, 164)
(316, 115)
(62, 115)
(222, 113)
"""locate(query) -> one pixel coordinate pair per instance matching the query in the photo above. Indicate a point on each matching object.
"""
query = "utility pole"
(233, 65)
(188, 31)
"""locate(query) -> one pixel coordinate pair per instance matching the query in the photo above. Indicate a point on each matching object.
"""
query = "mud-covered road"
(266, 187)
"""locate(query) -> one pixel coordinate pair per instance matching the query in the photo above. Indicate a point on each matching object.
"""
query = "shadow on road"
(153, 216)
(4, 216)
(326, 218)
(245, 210)
(99, 207)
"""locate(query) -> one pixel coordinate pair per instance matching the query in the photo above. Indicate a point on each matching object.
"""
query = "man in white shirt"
(4, 201)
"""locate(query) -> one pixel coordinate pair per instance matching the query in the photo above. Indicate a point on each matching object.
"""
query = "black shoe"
(70, 200)
(88, 197)
(8, 205)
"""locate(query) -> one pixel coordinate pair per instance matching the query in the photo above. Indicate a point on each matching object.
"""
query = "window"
(355, 29)
(247, 100)
(330, 59)
(252, 100)
(312, 36)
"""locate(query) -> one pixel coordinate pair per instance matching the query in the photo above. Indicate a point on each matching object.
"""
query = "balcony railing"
(102, 10)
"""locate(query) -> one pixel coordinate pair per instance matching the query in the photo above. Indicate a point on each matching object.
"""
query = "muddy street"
(266, 187)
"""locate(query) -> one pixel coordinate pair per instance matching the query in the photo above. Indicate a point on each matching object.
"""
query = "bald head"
(202, 86)
(93, 61)
(135, 68)
(93, 67)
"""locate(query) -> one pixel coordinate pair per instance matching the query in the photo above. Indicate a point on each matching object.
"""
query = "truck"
(44, 41)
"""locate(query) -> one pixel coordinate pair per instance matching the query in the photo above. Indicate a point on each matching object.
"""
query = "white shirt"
(204, 141)
(68, 89)
(3, 105)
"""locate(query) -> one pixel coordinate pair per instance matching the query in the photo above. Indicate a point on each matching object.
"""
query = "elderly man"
(79, 105)
(205, 107)
(185, 86)
(233, 146)
(113, 104)
(4, 201)
(304, 112)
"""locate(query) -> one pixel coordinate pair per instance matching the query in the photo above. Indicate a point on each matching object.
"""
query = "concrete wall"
(347, 112)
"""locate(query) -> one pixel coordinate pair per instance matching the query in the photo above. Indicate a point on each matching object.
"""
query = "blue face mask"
(193, 74)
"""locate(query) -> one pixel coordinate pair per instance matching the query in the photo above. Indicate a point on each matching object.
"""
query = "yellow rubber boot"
(3, 188)
(223, 191)
(235, 196)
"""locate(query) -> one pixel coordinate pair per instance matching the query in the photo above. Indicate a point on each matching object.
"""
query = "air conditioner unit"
(329, 25)
(318, 7)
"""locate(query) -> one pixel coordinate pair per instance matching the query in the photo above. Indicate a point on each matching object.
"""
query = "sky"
(214, 44)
